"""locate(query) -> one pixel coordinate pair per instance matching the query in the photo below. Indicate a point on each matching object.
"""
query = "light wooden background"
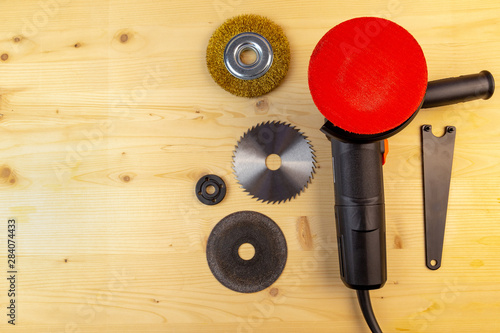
(109, 117)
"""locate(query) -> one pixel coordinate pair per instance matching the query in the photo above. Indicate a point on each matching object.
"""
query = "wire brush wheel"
(248, 33)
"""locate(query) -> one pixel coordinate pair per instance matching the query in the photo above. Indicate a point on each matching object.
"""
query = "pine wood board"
(104, 137)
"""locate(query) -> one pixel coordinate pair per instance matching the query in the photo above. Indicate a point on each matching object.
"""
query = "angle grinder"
(368, 77)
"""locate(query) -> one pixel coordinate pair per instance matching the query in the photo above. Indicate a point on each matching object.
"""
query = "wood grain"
(109, 117)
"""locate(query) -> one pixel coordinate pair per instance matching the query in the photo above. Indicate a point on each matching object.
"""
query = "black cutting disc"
(236, 273)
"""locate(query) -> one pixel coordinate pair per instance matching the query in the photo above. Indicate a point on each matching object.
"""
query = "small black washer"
(236, 273)
(219, 189)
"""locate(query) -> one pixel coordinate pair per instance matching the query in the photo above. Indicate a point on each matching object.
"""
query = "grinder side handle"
(459, 89)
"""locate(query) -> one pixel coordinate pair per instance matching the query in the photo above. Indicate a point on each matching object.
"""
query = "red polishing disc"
(367, 75)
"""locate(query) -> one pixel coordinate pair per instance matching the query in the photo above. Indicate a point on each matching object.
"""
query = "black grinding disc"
(257, 273)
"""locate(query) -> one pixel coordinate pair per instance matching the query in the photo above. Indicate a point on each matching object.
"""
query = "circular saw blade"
(297, 162)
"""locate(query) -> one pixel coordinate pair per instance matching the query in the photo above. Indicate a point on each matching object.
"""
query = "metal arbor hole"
(241, 44)
(273, 162)
(248, 56)
(210, 189)
(246, 251)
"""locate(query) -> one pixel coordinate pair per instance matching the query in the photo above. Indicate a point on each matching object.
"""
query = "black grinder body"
(359, 186)
(359, 204)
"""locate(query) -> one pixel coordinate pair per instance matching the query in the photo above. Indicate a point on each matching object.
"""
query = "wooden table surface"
(109, 117)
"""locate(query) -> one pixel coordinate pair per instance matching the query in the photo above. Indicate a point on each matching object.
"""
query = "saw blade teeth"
(298, 162)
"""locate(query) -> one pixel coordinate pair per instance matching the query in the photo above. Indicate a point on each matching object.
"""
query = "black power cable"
(366, 307)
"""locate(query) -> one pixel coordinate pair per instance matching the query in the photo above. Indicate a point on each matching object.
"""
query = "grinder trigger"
(384, 149)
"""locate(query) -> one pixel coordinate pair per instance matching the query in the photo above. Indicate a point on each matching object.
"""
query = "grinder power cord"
(368, 77)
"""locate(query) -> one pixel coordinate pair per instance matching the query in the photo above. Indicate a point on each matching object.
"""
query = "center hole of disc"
(246, 251)
(210, 189)
(273, 162)
(248, 56)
